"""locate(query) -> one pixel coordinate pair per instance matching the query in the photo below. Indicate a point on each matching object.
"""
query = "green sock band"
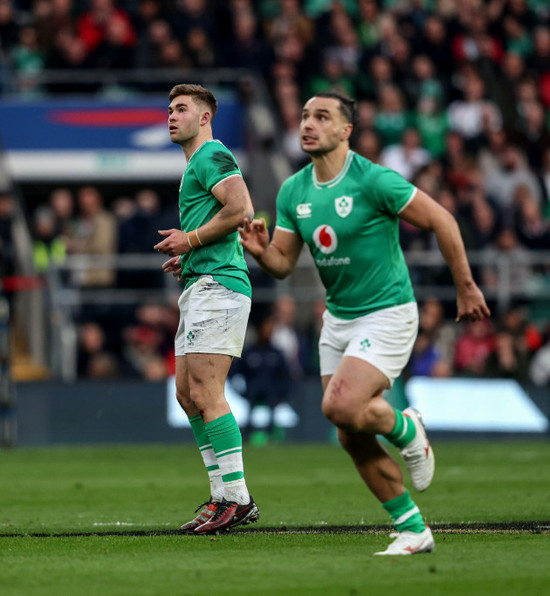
(403, 432)
(199, 431)
(226, 438)
(404, 513)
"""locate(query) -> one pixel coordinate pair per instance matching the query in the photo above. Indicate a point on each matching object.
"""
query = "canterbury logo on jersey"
(303, 210)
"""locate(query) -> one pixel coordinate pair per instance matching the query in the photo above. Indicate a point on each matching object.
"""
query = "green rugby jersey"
(351, 226)
(223, 259)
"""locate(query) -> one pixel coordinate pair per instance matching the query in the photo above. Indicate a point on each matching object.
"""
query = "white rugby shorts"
(213, 319)
(384, 338)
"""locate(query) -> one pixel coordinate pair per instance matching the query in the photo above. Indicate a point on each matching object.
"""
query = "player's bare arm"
(425, 213)
(233, 194)
(278, 257)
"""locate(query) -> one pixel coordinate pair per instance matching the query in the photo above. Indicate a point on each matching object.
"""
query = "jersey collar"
(337, 178)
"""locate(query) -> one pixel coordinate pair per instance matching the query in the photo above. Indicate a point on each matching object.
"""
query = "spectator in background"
(439, 331)
(95, 235)
(61, 202)
(290, 18)
(94, 359)
(473, 347)
(129, 225)
(367, 144)
(103, 366)
(192, 14)
(526, 335)
(506, 361)
(51, 16)
(27, 60)
(426, 359)
(9, 28)
(435, 42)
(263, 377)
(142, 346)
(539, 369)
(432, 123)
(7, 244)
(286, 336)
(532, 229)
(503, 183)
(116, 48)
(392, 117)
(200, 50)
(406, 157)
(102, 20)
(534, 136)
(507, 251)
(369, 24)
(332, 75)
(49, 247)
(247, 49)
(472, 115)
(379, 74)
(544, 183)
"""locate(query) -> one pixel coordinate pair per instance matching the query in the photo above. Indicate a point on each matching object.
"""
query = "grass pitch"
(104, 521)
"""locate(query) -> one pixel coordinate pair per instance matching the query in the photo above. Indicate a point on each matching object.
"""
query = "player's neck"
(329, 165)
(193, 144)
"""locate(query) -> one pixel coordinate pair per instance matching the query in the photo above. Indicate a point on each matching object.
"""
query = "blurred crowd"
(453, 95)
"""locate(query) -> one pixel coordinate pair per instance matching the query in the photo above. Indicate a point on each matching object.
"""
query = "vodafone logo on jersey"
(325, 239)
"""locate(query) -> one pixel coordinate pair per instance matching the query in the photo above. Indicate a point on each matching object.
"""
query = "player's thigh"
(207, 373)
(350, 388)
(182, 385)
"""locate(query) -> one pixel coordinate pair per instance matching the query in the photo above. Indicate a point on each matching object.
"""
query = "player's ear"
(346, 131)
(206, 117)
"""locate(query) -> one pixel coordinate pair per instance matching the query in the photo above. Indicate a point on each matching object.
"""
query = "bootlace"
(204, 504)
(221, 509)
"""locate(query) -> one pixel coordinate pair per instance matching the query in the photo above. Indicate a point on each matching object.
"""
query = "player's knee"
(184, 399)
(340, 413)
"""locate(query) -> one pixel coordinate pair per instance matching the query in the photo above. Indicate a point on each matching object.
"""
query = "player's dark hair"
(347, 105)
(198, 93)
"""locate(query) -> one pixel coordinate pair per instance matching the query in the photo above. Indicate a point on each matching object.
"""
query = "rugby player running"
(347, 210)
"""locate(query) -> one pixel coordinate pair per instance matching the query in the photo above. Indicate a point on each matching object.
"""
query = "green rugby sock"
(208, 457)
(403, 432)
(404, 513)
(227, 443)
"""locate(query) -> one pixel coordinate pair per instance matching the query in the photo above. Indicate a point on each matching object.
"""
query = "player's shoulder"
(299, 178)
(210, 148)
(374, 173)
(214, 156)
(367, 167)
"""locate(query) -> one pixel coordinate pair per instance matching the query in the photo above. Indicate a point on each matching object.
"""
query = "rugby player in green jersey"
(347, 210)
(214, 305)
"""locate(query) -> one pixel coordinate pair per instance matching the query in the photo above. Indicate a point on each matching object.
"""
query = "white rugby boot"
(410, 543)
(418, 454)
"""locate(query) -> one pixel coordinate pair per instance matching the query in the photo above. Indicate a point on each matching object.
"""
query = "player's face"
(184, 117)
(323, 126)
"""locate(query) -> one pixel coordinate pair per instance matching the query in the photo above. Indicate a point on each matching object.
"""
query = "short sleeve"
(285, 220)
(214, 165)
(392, 191)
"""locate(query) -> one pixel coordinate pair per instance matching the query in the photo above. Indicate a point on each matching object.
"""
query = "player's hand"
(471, 305)
(174, 244)
(254, 236)
(173, 266)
